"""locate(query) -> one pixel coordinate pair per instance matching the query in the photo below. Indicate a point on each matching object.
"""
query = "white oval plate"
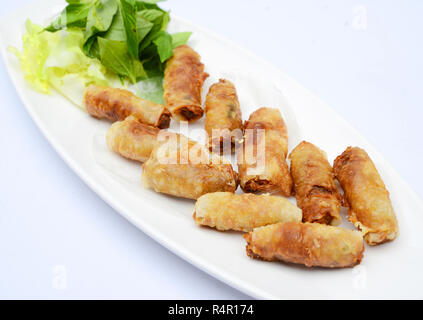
(392, 270)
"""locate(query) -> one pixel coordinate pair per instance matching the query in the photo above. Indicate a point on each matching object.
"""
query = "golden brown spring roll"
(183, 82)
(370, 208)
(274, 176)
(314, 185)
(309, 244)
(223, 116)
(187, 171)
(228, 211)
(132, 139)
(117, 104)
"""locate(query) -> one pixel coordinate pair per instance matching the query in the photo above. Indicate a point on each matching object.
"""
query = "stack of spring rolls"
(275, 229)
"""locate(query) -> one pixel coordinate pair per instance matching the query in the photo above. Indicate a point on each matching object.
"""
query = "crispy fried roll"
(183, 83)
(370, 207)
(223, 116)
(117, 104)
(132, 139)
(274, 176)
(314, 185)
(228, 211)
(187, 171)
(310, 244)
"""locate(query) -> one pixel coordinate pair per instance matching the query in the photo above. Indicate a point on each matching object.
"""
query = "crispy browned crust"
(314, 185)
(276, 177)
(309, 244)
(223, 115)
(132, 139)
(370, 207)
(243, 212)
(183, 83)
(185, 177)
(117, 104)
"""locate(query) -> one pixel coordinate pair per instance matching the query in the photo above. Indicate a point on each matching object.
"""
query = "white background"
(58, 239)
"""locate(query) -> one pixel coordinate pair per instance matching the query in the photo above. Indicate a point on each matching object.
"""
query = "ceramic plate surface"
(392, 270)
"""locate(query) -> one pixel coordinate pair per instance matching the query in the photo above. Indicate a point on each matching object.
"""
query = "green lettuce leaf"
(51, 60)
(100, 41)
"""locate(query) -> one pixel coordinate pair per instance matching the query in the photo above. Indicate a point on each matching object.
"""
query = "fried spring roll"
(228, 211)
(187, 172)
(132, 139)
(117, 104)
(223, 116)
(183, 82)
(370, 208)
(309, 244)
(274, 176)
(314, 185)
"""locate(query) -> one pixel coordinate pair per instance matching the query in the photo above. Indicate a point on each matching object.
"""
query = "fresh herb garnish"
(129, 37)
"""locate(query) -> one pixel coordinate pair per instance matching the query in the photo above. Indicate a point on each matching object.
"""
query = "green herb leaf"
(117, 29)
(151, 14)
(114, 55)
(143, 28)
(100, 18)
(163, 42)
(129, 37)
(145, 4)
(127, 10)
(160, 20)
(73, 16)
(180, 38)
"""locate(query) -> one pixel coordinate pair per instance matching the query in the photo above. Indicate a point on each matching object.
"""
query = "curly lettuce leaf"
(100, 41)
(54, 60)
